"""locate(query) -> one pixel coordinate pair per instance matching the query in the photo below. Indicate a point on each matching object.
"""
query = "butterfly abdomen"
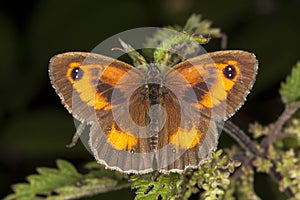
(153, 96)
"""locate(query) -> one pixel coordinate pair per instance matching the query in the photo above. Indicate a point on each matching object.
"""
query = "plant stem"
(277, 177)
(247, 144)
(241, 138)
(290, 109)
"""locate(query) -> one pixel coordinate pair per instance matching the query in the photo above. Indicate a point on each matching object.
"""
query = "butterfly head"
(153, 74)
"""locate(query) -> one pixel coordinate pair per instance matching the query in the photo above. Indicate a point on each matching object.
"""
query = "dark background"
(35, 126)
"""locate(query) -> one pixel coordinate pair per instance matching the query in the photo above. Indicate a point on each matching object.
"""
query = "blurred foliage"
(290, 90)
(35, 127)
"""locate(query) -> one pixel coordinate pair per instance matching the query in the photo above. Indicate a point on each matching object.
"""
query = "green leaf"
(46, 181)
(177, 48)
(196, 26)
(212, 178)
(289, 90)
(66, 183)
(88, 187)
(176, 43)
(163, 187)
(159, 36)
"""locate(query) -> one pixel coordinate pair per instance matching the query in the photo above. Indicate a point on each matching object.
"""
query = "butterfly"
(153, 117)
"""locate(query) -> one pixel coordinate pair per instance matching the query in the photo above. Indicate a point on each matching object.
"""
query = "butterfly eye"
(76, 74)
(229, 72)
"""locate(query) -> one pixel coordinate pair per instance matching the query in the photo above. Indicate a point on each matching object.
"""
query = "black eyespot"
(76, 74)
(229, 72)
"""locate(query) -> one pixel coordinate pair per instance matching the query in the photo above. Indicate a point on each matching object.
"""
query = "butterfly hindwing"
(186, 138)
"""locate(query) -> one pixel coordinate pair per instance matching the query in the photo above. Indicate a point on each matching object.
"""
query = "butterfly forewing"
(215, 83)
(85, 81)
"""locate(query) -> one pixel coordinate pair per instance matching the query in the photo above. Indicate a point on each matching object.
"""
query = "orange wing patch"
(186, 139)
(74, 64)
(95, 83)
(112, 75)
(121, 140)
(223, 83)
(192, 75)
(82, 77)
(211, 82)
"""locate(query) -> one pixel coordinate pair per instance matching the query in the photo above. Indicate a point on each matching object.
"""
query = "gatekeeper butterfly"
(153, 117)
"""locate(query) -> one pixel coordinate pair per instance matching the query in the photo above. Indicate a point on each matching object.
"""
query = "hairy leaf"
(290, 89)
(163, 187)
(66, 183)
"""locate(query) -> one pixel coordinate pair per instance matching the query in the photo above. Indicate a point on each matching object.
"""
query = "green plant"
(227, 174)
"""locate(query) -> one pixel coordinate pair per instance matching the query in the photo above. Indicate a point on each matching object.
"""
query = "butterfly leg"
(77, 135)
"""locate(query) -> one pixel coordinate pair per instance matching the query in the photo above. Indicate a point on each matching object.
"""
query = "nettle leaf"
(66, 183)
(87, 187)
(159, 36)
(162, 187)
(196, 26)
(178, 48)
(289, 90)
(46, 181)
(212, 179)
(175, 43)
